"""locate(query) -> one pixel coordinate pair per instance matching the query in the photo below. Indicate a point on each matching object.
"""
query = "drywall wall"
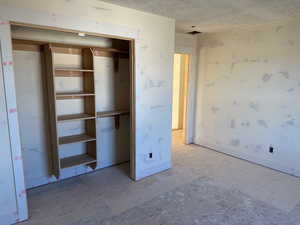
(112, 88)
(154, 40)
(8, 192)
(154, 48)
(248, 93)
(187, 44)
(12, 177)
(212, 16)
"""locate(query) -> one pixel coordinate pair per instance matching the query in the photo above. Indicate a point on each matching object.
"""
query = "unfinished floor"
(203, 187)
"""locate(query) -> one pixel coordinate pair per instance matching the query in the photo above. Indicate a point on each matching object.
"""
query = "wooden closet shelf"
(76, 139)
(74, 117)
(71, 69)
(112, 113)
(76, 161)
(61, 96)
(29, 45)
(69, 72)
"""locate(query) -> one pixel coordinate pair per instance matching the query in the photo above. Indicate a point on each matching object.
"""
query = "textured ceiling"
(214, 15)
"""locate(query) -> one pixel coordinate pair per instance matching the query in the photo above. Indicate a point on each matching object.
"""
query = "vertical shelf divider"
(89, 138)
(50, 82)
(90, 103)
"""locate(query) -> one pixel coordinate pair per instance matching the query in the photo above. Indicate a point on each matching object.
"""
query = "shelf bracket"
(117, 122)
(116, 61)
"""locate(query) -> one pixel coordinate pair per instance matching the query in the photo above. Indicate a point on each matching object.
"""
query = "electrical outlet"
(271, 149)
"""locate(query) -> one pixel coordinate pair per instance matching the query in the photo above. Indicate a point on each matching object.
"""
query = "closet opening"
(75, 99)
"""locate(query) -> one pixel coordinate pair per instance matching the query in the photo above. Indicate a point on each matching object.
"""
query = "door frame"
(190, 93)
(9, 82)
(13, 124)
(132, 79)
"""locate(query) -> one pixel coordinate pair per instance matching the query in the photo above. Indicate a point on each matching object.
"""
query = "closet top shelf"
(70, 72)
(28, 45)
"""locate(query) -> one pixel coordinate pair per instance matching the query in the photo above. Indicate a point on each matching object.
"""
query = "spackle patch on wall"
(232, 124)
(235, 142)
(259, 101)
(245, 124)
(291, 42)
(279, 28)
(254, 106)
(215, 109)
(290, 122)
(157, 107)
(210, 84)
(285, 74)
(262, 123)
(149, 84)
(267, 77)
(257, 148)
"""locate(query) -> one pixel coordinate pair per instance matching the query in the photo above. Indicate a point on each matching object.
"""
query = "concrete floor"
(203, 187)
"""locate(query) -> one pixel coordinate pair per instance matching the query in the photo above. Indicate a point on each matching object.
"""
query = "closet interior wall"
(112, 102)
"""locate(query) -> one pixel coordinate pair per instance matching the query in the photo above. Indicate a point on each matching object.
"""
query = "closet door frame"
(10, 94)
(12, 118)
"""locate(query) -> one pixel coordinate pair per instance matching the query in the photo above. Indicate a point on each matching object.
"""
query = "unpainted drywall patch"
(149, 84)
(245, 124)
(144, 47)
(215, 109)
(262, 123)
(235, 142)
(266, 77)
(235, 103)
(101, 8)
(257, 148)
(210, 84)
(35, 149)
(157, 107)
(288, 123)
(255, 106)
(213, 43)
(285, 74)
(160, 140)
(279, 28)
(232, 66)
(232, 124)
(291, 42)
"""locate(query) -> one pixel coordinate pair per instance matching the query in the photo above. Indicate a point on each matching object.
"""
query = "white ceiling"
(214, 15)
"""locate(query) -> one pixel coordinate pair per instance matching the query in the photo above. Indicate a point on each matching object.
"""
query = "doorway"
(180, 90)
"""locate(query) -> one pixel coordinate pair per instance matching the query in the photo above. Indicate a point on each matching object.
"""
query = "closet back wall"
(112, 92)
